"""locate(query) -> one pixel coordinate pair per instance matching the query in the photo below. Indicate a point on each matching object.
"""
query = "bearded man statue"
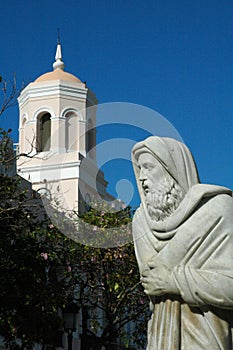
(183, 237)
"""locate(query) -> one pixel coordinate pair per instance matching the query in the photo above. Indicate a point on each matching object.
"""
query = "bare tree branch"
(10, 93)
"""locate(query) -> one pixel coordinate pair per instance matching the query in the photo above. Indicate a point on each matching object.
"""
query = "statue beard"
(164, 200)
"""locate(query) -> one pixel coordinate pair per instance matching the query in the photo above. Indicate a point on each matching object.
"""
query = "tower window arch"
(71, 130)
(22, 135)
(24, 120)
(44, 133)
(90, 138)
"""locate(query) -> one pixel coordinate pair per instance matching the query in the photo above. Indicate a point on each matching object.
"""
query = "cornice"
(58, 88)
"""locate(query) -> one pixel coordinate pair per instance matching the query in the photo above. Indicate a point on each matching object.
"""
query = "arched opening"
(71, 131)
(90, 138)
(22, 135)
(44, 133)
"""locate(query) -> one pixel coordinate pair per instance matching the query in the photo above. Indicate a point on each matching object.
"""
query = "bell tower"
(58, 137)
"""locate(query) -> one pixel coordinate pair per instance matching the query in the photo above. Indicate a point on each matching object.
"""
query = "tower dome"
(58, 70)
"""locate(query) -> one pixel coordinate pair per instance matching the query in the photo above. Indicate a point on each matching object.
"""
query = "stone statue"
(183, 236)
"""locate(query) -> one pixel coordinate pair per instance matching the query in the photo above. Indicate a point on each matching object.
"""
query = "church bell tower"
(58, 137)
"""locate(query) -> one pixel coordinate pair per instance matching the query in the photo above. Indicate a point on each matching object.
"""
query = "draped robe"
(196, 243)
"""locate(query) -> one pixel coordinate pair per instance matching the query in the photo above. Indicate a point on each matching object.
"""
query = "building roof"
(58, 74)
(58, 70)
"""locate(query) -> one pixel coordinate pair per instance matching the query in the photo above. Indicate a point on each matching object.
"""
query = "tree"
(34, 268)
(110, 292)
(8, 97)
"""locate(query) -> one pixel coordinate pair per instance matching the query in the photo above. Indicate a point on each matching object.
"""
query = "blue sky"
(175, 57)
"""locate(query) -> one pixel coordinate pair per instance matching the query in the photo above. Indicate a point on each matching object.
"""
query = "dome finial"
(58, 64)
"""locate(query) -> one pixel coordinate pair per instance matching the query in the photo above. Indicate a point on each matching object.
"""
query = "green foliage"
(34, 264)
(7, 156)
(111, 286)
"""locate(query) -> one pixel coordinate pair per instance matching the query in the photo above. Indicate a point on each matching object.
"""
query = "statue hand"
(157, 279)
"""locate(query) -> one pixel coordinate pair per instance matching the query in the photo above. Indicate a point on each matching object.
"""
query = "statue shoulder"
(222, 204)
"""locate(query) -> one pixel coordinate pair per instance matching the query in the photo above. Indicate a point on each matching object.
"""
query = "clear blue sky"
(175, 57)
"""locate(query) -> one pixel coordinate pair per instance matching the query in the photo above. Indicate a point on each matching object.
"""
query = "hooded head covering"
(177, 160)
(173, 155)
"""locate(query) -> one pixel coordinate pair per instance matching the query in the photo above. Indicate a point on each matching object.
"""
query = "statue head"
(161, 192)
(165, 171)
